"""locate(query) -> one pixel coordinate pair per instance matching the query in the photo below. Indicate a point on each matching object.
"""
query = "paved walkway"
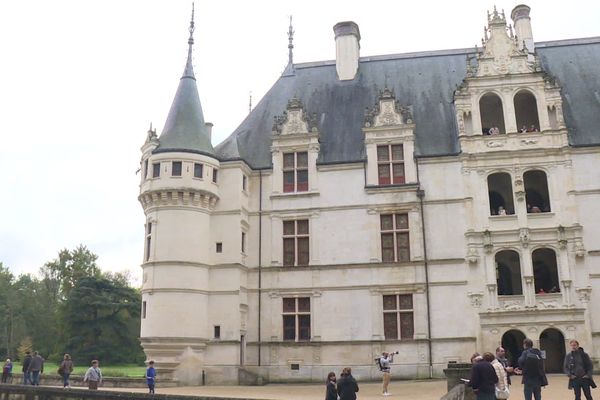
(401, 390)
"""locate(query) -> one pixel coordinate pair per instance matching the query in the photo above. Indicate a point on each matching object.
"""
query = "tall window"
(155, 170)
(536, 191)
(296, 318)
(395, 243)
(145, 168)
(143, 309)
(148, 240)
(390, 164)
(398, 316)
(295, 242)
(244, 182)
(526, 112)
(243, 242)
(492, 114)
(176, 168)
(508, 273)
(545, 271)
(215, 175)
(500, 194)
(295, 172)
(198, 169)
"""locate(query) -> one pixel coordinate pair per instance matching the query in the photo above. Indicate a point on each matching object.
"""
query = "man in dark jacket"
(484, 378)
(25, 369)
(532, 367)
(347, 386)
(36, 367)
(579, 367)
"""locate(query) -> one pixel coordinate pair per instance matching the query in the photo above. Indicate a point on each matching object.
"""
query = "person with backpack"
(65, 369)
(384, 366)
(532, 369)
(93, 376)
(347, 386)
(578, 366)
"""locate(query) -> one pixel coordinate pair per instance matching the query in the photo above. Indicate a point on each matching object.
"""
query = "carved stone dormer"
(295, 120)
(295, 149)
(506, 101)
(389, 142)
(151, 142)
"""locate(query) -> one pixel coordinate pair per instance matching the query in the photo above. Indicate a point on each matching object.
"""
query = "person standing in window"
(331, 391)
(347, 386)
(578, 366)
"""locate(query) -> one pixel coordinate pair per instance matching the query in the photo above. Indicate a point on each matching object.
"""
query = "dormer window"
(492, 115)
(390, 164)
(295, 172)
(176, 168)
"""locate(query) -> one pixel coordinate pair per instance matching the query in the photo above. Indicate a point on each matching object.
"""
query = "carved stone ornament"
(495, 143)
(562, 239)
(476, 299)
(295, 120)
(387, 111)
(584, 293)
(472, 255)
(579, 249)
(519, 188)
(512, 305)
(487, 242)
(524, 237)
(548, 304)
(528, 142)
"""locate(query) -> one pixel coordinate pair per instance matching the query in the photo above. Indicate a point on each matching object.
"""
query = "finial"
(291, 43)
(191, 28)
(250, 103)
(510, 29)
(150, 130)
(485, 33)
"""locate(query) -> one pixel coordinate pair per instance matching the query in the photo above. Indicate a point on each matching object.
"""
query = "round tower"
(178, 191)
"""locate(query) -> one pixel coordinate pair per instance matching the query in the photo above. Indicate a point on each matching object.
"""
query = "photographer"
(384, 364)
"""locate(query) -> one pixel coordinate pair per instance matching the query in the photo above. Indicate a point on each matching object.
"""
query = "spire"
(289, 70)
(250, 103)
(185, 129)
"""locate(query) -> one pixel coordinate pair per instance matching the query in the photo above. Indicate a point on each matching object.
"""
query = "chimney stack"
(522, 22)
(209, 126)
(347, 49)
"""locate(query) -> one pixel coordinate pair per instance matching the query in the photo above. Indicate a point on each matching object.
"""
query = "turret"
(522, 22)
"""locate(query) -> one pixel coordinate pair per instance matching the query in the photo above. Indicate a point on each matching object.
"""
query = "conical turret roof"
(185, 129)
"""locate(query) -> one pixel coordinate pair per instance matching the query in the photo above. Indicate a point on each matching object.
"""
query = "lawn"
(125, 370)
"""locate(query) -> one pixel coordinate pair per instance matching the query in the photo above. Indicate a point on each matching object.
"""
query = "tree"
(25, 346)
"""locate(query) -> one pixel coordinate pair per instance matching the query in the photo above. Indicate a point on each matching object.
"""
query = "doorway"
(512, 341)
(552, 342)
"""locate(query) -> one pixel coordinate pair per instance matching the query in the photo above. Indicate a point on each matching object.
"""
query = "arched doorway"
(552, 342)
(512, 341)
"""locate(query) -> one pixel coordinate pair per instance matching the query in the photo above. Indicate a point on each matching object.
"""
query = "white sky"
(81, 80)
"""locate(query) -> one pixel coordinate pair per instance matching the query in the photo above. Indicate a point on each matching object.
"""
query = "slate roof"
(426, 81)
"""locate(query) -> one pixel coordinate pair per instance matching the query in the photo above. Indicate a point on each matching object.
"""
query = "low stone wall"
(457, 390)
(77, 381)
(21, 392)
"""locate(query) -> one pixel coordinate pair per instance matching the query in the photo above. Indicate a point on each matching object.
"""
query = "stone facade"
(289, 272)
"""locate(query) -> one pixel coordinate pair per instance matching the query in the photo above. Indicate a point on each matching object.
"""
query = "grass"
(120, 371)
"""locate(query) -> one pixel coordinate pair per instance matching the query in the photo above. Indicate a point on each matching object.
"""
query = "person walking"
(151, 376)
(65, 369)
(347, 386)
(501, 389)
(7, 371)
(93, 376)
(532, 369)
(331, 390)
(25, 369)
(579, 367)
(384, 363)
(36, 368)
(483, 378)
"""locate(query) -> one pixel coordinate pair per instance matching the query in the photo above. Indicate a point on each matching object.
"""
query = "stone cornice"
(185, 197)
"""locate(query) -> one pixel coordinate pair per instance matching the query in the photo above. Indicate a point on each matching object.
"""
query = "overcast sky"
(81, 80)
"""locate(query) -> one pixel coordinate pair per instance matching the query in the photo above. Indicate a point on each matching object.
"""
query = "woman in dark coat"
(331, 391)
(347, 386)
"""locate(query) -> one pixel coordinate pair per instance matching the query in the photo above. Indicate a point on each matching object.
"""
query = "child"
(150, 376)
(93, 376)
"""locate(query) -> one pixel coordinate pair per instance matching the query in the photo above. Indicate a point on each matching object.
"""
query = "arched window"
(508, 273)
(492, 114)
(500, 194)
(526, 112)
(536, 191)
(545, 271)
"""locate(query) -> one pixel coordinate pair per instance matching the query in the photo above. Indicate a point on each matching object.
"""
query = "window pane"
(289, 252)
(145, 169)
(302, 160)
(387, 247)
(289, 228)
(403, 247)
(397, 152)
(383, 153)
(406, 301)
(401, 221)
(198, 170)
(304, 304)
(155, 170)
(407, 326)
(383, 172)
(387, 222)
(215, 175)
(289, 327)
(398, 171)
(390, 326)
(389, 302)
(288, 181)
(289, 304)
(288, 160)
(302, 226)
(176, 168)
(303, 256)
(304, 331)
(302, 179)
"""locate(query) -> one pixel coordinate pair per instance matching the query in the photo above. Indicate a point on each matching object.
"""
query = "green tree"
(25, 346)
(102, 317)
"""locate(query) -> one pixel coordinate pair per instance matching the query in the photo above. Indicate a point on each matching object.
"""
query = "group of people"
(490, 374)
(343, 389)
(494, 130)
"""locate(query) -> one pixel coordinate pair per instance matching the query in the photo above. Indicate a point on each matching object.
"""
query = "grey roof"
(185, 129)
(426, 81)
